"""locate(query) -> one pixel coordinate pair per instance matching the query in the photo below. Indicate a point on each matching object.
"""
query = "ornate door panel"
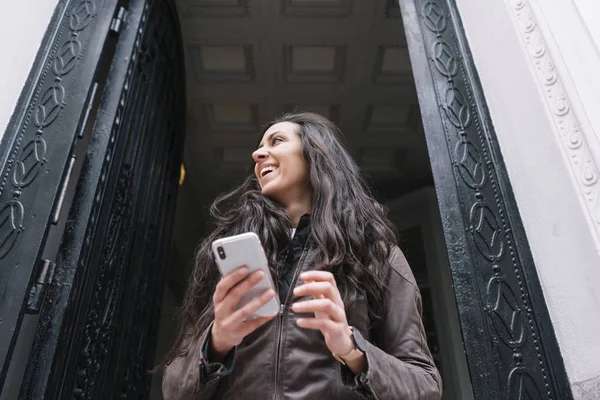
(100, 295)
(510, 345)
(36, 159)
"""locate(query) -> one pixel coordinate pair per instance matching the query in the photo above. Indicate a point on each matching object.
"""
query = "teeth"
(264, 171)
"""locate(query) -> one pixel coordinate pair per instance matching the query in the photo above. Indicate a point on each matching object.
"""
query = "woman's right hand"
(230, 326)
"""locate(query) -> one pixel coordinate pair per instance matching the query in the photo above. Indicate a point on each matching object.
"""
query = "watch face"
(359, 340)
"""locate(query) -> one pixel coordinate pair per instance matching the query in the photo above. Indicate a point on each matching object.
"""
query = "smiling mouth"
(267, 170)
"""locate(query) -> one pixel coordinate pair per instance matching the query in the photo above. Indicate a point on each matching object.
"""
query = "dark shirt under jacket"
(293, 255)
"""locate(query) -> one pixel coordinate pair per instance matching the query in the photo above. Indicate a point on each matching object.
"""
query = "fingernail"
(243, 271)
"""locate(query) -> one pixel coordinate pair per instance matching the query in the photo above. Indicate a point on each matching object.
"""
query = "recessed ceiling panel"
(330, 112)
(231, 114)
(382, 117)
(215, 8)
(313, 59)
(223, 58)
(222, 63)
(392, 66)
(231, 117)
(315, 64)
(317, 8)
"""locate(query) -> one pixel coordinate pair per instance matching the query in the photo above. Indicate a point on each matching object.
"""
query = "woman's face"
(280, 167)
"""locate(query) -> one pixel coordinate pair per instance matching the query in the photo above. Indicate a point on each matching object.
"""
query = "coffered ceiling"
(250, 60)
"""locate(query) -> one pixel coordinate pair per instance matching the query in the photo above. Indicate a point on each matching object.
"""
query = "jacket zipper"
(281, 314)
(280, 332)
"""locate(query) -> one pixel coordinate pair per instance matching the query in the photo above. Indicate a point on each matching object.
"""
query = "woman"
(349, 326)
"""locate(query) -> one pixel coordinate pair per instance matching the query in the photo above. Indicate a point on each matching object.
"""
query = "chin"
(270, 192)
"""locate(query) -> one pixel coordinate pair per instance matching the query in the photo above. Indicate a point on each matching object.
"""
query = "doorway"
(348, 61)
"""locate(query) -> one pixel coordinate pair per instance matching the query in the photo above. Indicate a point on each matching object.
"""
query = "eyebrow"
(269, 138)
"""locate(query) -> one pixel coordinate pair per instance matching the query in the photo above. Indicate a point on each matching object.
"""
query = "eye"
(277, 139)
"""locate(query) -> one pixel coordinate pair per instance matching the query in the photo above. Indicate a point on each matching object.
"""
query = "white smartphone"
(234, 251)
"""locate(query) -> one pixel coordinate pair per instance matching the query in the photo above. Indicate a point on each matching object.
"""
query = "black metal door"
(510, 345)
(105, 148)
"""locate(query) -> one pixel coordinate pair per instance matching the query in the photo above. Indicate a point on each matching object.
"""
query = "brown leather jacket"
(283, 361)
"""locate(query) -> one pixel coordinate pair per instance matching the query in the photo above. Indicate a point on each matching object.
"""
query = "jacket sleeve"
(191, 375)
(402, 367)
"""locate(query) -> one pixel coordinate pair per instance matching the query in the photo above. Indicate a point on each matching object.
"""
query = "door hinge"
(117, 22)
(38, 290)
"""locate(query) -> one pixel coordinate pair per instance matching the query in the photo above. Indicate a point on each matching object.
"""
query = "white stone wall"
(589, 11)
(538, 61)
(22, 26)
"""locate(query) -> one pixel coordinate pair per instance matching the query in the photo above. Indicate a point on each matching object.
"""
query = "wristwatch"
(360, 345)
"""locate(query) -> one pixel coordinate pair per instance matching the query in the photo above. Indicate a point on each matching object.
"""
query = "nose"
(260, 154)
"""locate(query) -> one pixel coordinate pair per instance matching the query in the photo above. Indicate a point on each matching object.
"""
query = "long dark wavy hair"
(350, 234)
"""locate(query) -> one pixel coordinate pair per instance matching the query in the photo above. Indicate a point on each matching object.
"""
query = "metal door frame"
(508, 337)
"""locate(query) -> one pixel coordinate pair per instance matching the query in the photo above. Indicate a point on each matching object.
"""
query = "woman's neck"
(297, 209)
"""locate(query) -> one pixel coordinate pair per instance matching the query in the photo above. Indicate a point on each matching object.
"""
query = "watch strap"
(352, 354)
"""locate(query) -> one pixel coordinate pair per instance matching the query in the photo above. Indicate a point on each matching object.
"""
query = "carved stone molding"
(568, 129)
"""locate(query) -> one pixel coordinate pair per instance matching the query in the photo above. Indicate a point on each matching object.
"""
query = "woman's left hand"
(327, 305)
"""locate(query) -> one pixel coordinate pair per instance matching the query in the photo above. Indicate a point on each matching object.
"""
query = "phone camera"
(221, 252)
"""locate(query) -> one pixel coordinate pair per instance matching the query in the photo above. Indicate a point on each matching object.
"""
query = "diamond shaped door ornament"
(506, 313)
